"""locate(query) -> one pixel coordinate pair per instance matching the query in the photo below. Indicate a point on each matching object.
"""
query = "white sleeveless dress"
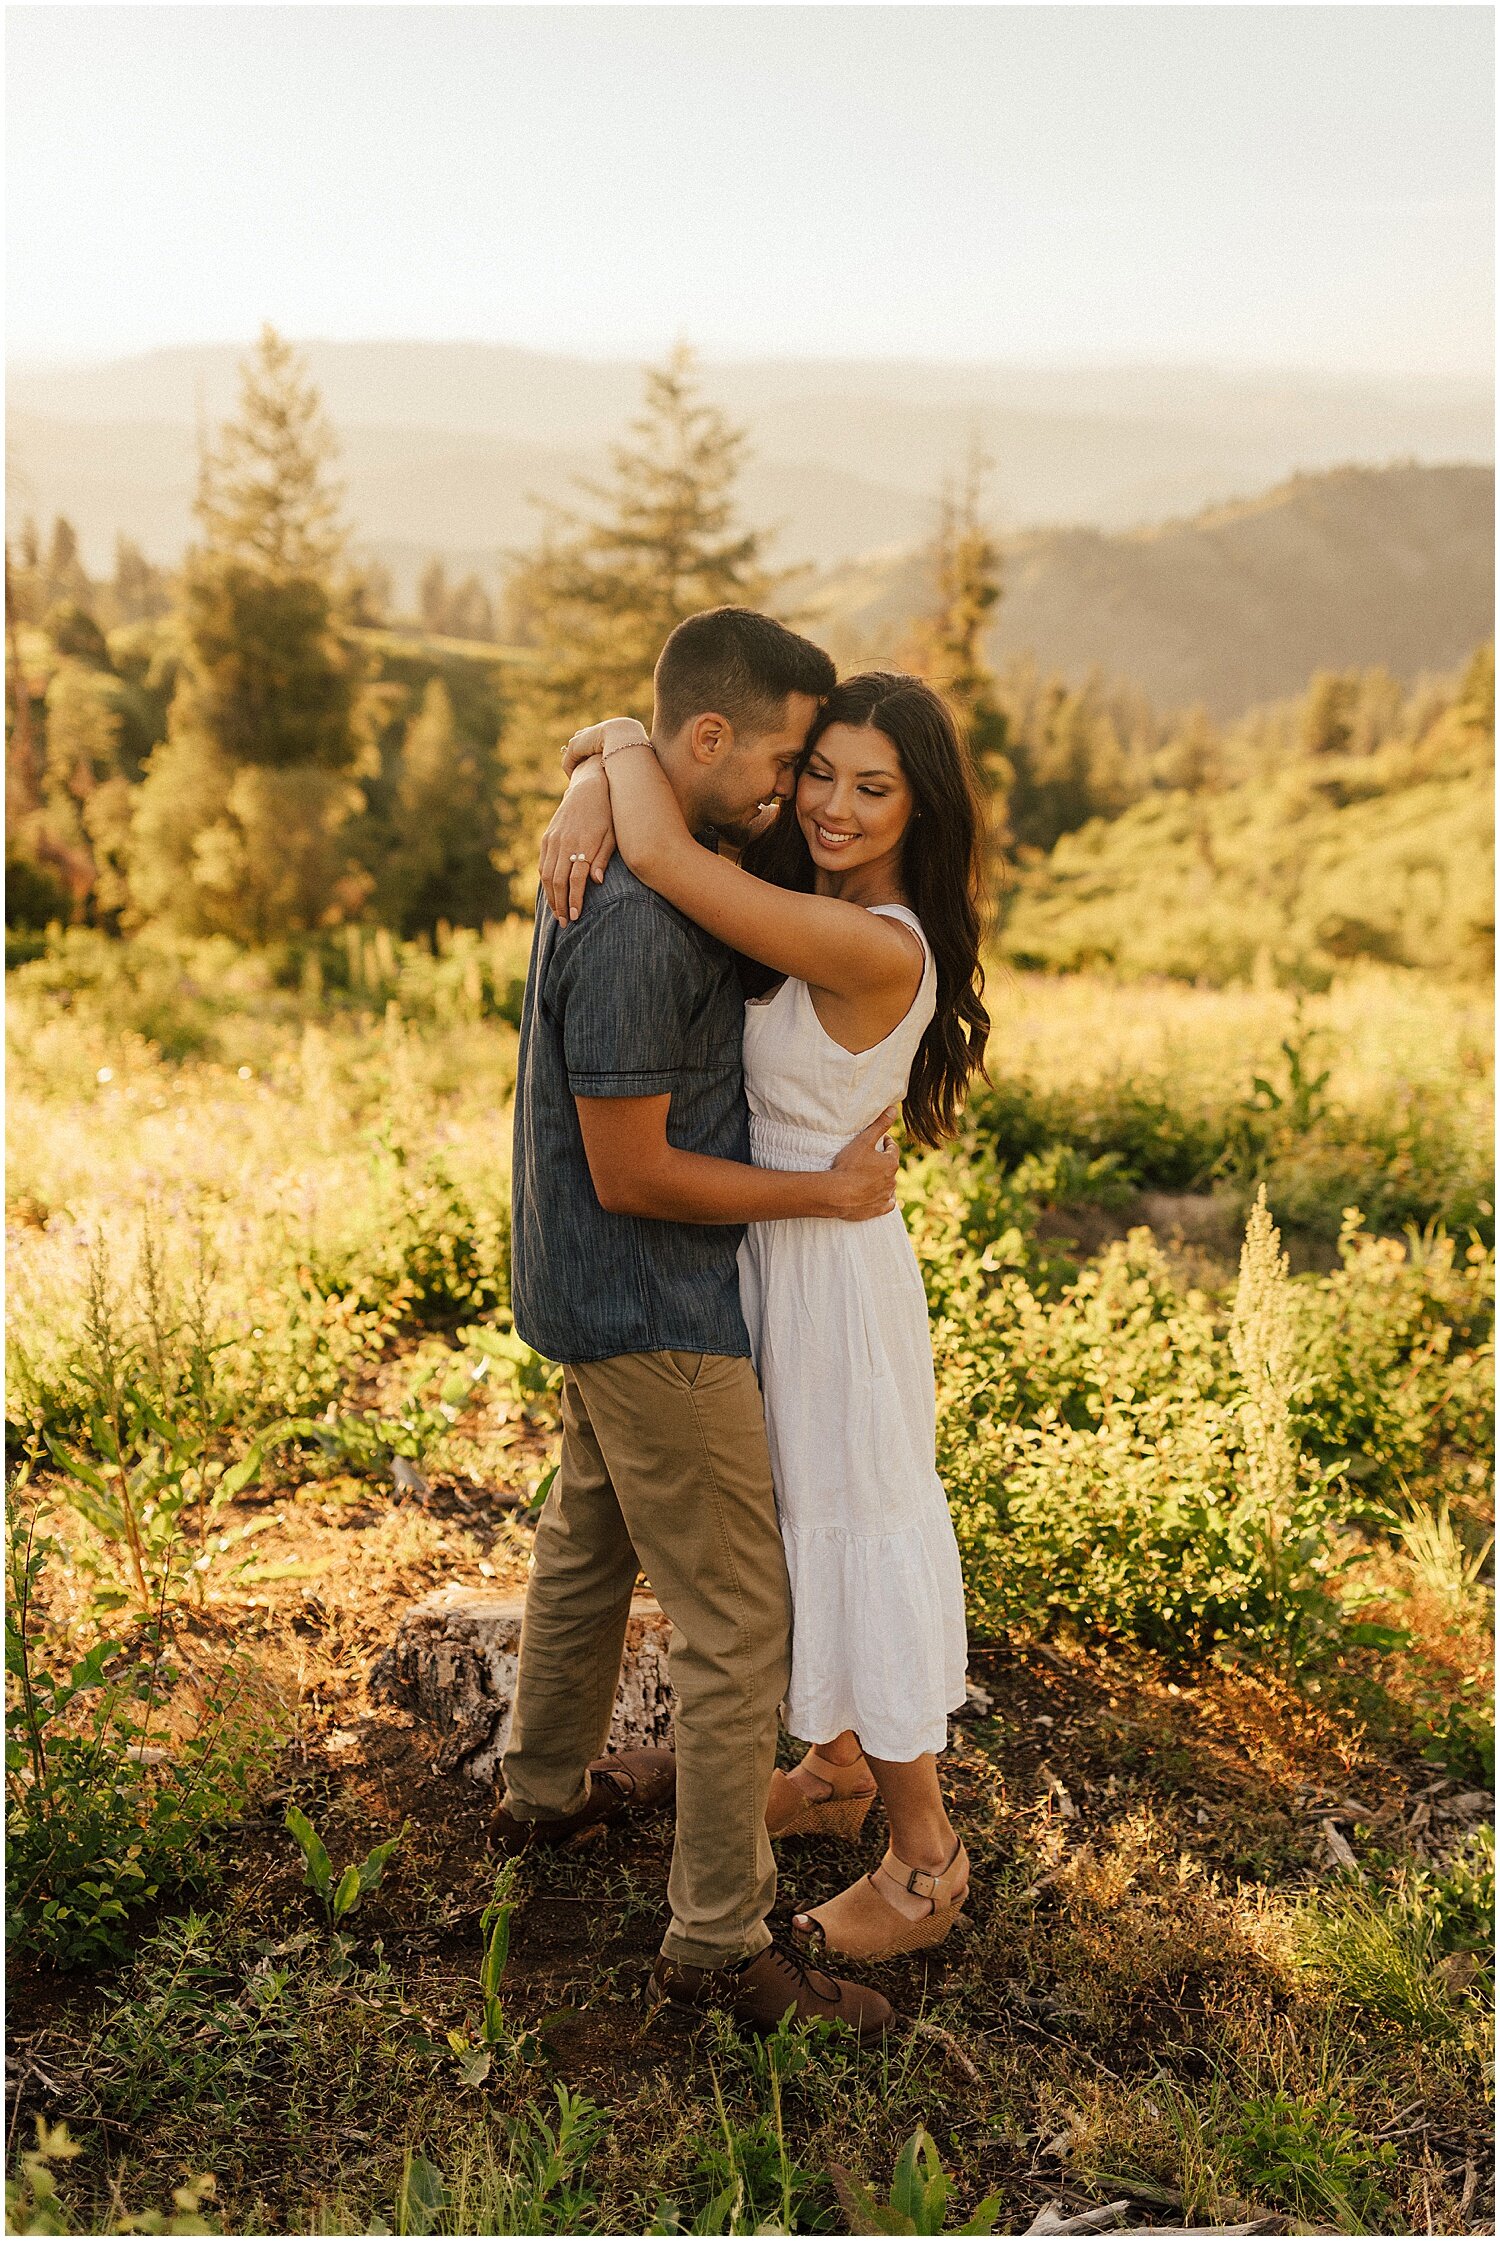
(838, 1324)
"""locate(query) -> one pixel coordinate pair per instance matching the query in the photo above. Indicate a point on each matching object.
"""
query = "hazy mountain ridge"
(1225, 597)
(417, 492)
(443, 441)
(1352, 569)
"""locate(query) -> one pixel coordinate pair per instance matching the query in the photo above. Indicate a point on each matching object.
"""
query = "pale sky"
(1264, 185)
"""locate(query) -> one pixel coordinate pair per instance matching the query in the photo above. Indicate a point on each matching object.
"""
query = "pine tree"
(87, 796)
(83, 730)
(240, 821)
(47, 809)
(1328, 714)
(439, 826)
(432, 598)
(140, 592)
(65, 575)
(470, 614)
(603, 591)
(368, 595)
(948, 648)
(263, 493)
(47, 867)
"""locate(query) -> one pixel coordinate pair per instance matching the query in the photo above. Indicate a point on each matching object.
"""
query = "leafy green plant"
(1455, 1729)
(1263, 1343)
(451, 1257)
(1111, 1463)
(342, 1894)
(1299, 1102)
(478, 2052)
(1305, 2153)
(1398, 1383)
(142, 1483)
(918, 2198)
(101, 1818)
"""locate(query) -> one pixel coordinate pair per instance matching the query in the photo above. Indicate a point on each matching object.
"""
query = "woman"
(864, 921)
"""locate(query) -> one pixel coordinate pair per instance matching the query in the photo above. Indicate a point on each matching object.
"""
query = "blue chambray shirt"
(631, 1000)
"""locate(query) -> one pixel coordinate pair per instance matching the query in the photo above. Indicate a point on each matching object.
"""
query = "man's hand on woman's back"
(864, 1174)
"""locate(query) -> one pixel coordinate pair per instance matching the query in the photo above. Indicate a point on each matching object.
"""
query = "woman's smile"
(854, 772)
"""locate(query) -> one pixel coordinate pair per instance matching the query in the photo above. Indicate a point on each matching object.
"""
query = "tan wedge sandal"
(848, 1792)
(862, 1923)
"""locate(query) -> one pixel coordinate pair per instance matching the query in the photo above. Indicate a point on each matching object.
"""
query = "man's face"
(758, 768)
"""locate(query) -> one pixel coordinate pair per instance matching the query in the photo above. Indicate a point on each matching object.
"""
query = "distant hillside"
(413, 493)
(1324, 859)
(444, 440)
(1358, 567)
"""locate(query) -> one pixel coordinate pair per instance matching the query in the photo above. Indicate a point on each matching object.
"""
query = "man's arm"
(636, 1171)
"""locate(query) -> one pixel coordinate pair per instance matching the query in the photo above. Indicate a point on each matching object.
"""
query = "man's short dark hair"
(734, 663)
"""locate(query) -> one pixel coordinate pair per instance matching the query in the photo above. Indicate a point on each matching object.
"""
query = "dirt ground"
(1069, 1765)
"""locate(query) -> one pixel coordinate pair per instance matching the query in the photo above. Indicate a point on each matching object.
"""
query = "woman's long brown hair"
(942, 870)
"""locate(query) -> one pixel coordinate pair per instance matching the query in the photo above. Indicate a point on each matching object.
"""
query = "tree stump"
(453, 1664)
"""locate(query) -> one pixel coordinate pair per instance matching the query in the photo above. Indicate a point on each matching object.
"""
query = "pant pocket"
(688, 1367)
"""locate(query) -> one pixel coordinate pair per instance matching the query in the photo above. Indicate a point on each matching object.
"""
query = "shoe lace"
(795, 1964)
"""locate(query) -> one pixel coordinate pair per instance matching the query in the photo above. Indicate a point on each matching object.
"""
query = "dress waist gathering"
(799, 1150)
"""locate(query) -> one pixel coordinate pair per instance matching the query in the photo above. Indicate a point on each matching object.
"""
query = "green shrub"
(1398, 1351)
(1305, 2153)
(1115, 1460)
(538, 2182)
(1155, 1142)
(1454, 1729)
(107, 1809)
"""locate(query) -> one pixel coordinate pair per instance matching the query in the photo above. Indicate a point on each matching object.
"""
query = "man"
(632, 1185)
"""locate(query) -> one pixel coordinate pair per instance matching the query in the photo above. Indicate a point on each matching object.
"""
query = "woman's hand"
(579, 841)
(593, 740)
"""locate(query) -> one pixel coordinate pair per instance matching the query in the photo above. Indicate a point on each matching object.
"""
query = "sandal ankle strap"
(922, 1883)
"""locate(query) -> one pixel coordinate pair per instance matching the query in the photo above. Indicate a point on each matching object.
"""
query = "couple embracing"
(705, 1235)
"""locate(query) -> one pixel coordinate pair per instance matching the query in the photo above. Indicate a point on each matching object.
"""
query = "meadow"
(1210, 1277)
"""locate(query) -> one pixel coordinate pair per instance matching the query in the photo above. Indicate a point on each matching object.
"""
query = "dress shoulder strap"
(907, 918)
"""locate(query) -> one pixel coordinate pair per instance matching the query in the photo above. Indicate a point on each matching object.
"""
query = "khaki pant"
(664, 1468)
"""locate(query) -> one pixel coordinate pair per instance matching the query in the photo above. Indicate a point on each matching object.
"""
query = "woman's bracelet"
(618, 746)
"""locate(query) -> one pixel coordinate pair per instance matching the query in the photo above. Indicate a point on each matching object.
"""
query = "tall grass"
(1118, 1458)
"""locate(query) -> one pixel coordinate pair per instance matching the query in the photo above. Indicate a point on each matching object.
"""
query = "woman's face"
(854, 801)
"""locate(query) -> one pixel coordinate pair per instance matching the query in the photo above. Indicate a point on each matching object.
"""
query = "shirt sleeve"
(624, 990)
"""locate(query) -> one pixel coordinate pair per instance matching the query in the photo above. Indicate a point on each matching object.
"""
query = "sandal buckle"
(921, 1884)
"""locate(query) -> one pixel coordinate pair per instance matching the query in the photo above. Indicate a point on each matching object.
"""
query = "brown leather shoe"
(760, 1991)
(621, 1782)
